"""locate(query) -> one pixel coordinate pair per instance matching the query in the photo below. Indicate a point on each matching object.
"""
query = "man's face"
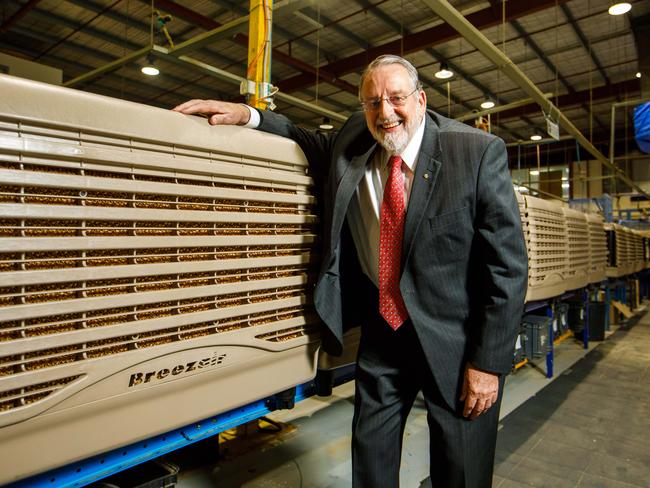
(393, 127)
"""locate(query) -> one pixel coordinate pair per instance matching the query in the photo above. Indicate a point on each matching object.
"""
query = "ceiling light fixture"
(638, 74)
(149, 68)
(326, 125)
(488, 103)
(444, 72)
(619, 8)
(535, 137)
(534, 172)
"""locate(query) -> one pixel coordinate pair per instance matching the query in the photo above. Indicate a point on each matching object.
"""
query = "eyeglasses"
(394, 101)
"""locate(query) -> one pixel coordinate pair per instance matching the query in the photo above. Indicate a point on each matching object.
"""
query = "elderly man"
(423, 248)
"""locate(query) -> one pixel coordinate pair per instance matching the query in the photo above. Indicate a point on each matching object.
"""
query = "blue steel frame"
(608, 304)
(585, 330)
(620, 294)
(550, 311)
(644, 282)
(530, 306)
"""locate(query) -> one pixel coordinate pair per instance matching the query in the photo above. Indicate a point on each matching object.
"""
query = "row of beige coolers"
(569, 249)
(154, 271)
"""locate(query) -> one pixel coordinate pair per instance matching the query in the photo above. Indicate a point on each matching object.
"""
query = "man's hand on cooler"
(218, 113)
(480, 391)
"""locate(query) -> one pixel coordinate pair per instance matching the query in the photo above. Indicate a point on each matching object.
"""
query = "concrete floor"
(590, 427)
(587, 427)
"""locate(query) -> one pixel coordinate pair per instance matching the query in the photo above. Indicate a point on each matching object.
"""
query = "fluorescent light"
(535, 137)
(534, 172)
(150, 70)
(444, 72)
(487, 104)
(619, 8)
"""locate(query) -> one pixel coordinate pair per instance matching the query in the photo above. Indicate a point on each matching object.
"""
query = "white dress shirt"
(365, 206)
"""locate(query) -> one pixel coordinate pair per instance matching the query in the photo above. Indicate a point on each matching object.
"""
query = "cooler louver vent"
(577, 275)
(597, 248)
(547, 244)
(20, 397)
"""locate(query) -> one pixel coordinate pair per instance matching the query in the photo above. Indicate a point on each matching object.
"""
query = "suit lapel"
(424, 181)
(352, 174)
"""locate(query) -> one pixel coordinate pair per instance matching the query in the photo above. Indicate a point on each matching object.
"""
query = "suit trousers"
(391, 370)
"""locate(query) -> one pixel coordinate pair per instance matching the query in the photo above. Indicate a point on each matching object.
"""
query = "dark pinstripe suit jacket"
(464, 263)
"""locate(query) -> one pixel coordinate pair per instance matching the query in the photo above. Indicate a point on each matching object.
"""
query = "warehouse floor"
(587, 427)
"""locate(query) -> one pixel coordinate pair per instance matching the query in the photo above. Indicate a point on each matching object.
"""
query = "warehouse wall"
(22, 68)
(641, 172)
(587, 181)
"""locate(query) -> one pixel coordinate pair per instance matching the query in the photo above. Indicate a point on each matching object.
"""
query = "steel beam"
(236, 80)
(397, 27)
(218, 31)
(225, 31)
(420, 40)
(234, 7)
(577, 98)
(325, 21)
(540, 54)
(500, 108)
(549, 64)
(307, 69)
(22, 11)
(584, 41)
(97, 55)
(113, 65)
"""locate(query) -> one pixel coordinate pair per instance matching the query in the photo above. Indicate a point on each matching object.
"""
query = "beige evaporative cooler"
(153, 271)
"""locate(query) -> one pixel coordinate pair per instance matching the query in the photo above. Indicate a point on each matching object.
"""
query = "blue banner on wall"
(642, 126)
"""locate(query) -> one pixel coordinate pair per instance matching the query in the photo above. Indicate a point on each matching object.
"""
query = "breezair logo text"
(150, 376)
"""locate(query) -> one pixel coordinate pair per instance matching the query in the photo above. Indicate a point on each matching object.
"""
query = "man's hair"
(386, 59)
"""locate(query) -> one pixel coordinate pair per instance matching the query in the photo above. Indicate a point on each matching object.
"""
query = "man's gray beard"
(393, 143)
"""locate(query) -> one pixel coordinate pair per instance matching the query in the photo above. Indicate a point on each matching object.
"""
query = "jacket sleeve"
(316, 145)
(502, 263)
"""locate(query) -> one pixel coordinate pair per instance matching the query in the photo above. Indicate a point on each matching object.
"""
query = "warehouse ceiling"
(572, 50)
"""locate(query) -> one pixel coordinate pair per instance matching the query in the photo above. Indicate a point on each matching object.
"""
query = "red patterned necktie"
(391, 231)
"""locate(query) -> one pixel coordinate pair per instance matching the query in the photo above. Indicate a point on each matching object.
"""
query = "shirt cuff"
(254, 121)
